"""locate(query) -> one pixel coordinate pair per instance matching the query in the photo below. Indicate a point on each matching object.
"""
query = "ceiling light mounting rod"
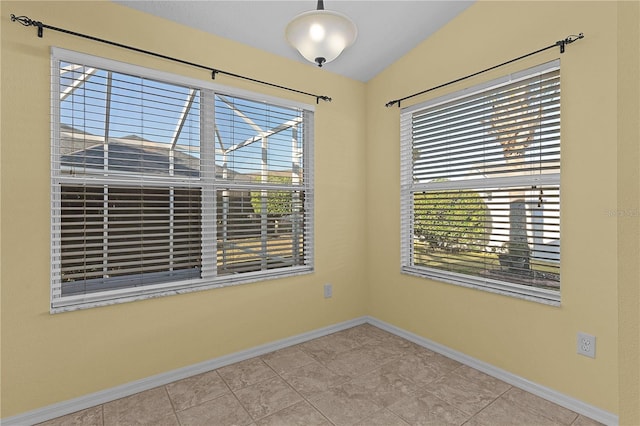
(560, 43)
(28, 22)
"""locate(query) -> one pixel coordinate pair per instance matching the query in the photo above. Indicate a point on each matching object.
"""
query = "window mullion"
(56, 251)
(295, 195)
(172, 230)
(105, 232)
(264, 178)
(207, 179)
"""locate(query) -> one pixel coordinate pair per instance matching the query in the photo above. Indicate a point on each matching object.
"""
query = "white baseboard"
(71, 406)
(563, 400)
(101, 397)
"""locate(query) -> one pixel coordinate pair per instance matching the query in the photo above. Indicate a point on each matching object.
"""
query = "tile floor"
(361, 376)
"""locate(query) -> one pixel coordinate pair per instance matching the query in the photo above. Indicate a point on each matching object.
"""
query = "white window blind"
(161, 184)
(481, 186)
(262, 186)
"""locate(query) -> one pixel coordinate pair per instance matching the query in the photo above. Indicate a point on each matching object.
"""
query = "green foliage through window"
(278, 202)
(452, 220)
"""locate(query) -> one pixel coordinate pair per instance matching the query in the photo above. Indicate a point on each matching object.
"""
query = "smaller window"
(481, 186)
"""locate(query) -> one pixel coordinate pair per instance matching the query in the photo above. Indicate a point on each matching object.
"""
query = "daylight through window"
(162, 184)
(481, 186)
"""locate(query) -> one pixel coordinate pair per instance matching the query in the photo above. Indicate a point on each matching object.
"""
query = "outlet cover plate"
(587, 345)
(328, 291)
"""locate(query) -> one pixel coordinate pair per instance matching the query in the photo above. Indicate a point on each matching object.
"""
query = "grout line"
(173, 406)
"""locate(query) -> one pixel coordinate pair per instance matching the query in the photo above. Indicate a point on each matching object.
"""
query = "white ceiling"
(387, 29)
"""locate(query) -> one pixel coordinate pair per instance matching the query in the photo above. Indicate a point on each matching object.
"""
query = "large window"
(162, 184)
(481, 186)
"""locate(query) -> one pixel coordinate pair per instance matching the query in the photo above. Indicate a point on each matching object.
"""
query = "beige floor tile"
(287, 359)
(422, 370)
(391, 349)
(361, 360)
(484, 380)
(421, 350)
(267, 397)
(585, 421)
(299, 414)
(425, 409)
(398, 342)
(383, 418)
(344, 408)
(467, 395)
(437, 361)
(222, 411)
(364, 334)
(475, 422)
(352, 363)
(196, 390)
(540, 406)
(506, 413)
(245, 373)
(148, 407)
(325, 348)
(383, 387)
(89, 417)
(313, 379)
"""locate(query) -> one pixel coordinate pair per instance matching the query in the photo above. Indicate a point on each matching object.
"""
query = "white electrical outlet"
(328, 291)
(587, 345)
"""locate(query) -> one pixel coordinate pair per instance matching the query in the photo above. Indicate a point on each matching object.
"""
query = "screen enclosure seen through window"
(162, 184)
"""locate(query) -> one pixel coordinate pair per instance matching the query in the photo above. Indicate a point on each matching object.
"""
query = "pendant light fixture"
(321, 35)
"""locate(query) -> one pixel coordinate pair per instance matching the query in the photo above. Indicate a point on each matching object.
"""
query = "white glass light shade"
(321, 35)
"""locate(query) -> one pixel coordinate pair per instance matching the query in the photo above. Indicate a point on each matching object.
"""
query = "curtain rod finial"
(28, 22)
(570, 39)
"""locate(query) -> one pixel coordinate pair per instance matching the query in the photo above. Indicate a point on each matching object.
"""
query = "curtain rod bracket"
(213, 74)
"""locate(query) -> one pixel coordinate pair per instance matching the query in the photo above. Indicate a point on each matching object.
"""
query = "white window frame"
(408, 187)
(207, 182)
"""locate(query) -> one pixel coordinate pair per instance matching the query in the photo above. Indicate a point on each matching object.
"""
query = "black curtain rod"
(560, 43)
(28, 22)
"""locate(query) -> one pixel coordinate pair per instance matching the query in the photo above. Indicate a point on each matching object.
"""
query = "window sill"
(532, 294)
(113, 297)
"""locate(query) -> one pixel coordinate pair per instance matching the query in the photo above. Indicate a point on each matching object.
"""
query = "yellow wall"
(51, 358)
(629, 201)
(532, 340)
